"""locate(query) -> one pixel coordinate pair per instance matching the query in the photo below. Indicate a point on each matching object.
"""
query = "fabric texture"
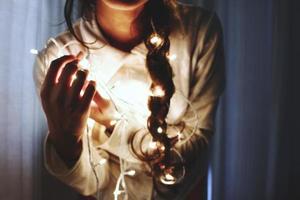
(198, 66)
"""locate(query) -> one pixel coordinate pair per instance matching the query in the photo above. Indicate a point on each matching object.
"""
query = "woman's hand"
(66, 109)
(103, 111)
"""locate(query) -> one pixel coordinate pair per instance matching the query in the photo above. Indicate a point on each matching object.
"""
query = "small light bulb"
(156, 40)
(180, 135)
(84, 64)
(34, 51)
(102, 161)
(159, 130)
(152, 145)
(169, 177)
(113, 122)
(157, 91)
(131, 173)
(172, 57)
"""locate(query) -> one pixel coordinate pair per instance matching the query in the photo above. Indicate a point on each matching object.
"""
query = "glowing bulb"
(152, 145)
(34, 51)
(159, 130)
(156, 40)
(157, 91)
(168, 179)
(90, 122)
(84, 64)
(102, 161)
(113, 122)
(180, 135)
(172, 57)
(130, 173)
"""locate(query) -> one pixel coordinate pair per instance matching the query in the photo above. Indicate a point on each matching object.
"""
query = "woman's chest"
(126, 82)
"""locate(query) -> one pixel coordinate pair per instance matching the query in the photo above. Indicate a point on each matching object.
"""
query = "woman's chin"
(124, 4)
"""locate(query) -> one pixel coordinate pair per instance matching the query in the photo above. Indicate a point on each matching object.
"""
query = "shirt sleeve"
(207, 84)
(82, 176)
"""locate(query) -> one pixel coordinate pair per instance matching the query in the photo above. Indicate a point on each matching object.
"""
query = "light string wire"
(124, 116)
(92, 164)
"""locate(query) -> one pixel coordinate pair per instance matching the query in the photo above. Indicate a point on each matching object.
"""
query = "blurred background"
(255, 149)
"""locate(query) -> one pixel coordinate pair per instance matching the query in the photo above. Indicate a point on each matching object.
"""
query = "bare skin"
(119, 21)
(66, 110)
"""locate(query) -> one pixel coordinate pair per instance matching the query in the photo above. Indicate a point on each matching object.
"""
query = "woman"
(131, 73)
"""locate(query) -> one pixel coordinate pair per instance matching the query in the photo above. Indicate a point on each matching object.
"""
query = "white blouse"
(107, 167)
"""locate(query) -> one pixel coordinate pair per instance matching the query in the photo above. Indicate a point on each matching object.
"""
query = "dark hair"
(157, 64)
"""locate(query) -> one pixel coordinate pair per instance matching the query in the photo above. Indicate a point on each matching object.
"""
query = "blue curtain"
(255, 147)
(25, 27)
(255, 152)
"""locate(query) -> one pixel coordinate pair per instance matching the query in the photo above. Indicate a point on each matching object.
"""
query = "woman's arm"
(207, 84)
(68, 160)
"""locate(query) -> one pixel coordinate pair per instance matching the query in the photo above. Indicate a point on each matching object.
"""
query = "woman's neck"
(120, 27)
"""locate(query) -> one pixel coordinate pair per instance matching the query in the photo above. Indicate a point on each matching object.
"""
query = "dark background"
(255, 151)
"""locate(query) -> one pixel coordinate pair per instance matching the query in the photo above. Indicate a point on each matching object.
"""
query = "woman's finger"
(53, 72)
(100, 101)
(87, 97)
(77, 85)
(65, 80)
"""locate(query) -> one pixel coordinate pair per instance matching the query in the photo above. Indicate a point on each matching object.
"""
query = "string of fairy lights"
(168, 171)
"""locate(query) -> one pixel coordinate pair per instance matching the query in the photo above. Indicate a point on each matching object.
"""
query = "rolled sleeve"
(81, 176)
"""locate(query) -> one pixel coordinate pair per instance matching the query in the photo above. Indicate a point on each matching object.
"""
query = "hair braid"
(161, 74)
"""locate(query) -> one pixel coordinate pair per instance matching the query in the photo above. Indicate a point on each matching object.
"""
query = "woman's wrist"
(68, 147)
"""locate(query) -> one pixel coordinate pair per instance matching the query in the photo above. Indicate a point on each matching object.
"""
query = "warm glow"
(84, 64)
(172, 57)
(159, 130)
(156, 40)
(113, 122)
(131, 173)
(34, 51)
(81, 93)
(152, 145)
(157, 91)
(168, 179)
(102, 161)
(134, 93)
(180, 135)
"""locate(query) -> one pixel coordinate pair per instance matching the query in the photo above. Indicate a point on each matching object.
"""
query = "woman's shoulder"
(66, 39)
(63, 44)
(196, 18)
